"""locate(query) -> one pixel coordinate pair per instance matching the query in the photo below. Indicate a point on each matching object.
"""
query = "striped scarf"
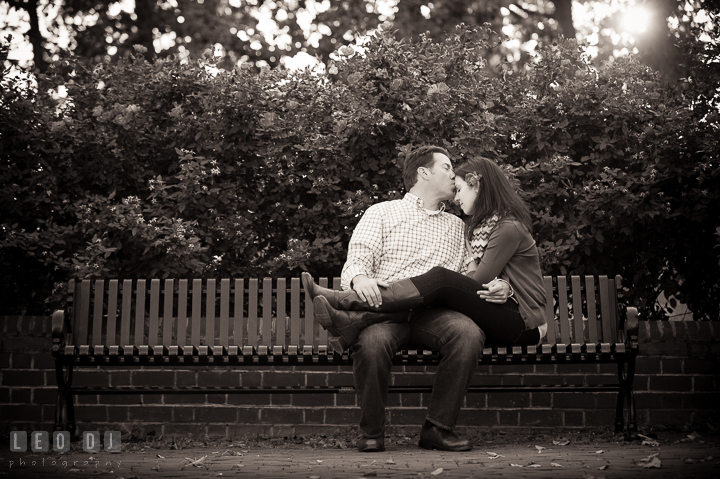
(480, 237)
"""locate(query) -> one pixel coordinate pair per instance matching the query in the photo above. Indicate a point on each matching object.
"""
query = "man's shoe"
(371, 444)
(442, 440)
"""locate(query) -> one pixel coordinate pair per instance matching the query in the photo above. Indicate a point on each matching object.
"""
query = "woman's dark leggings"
(501, 323)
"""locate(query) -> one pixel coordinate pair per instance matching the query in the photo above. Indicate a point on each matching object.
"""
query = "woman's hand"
(496, 291)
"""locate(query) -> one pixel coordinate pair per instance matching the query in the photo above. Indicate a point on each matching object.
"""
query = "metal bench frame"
(604, 332)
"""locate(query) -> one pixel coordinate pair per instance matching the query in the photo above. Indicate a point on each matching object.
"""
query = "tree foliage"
(174, 170)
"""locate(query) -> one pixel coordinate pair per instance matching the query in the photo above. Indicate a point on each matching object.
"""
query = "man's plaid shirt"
(400, 239)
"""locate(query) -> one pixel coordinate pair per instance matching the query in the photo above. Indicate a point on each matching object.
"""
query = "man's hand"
(368, 289)
(495, 291)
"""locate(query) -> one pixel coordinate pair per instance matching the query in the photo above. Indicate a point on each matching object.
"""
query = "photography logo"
(40, 441)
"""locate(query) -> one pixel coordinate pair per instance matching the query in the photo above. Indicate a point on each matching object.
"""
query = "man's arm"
(365, 247)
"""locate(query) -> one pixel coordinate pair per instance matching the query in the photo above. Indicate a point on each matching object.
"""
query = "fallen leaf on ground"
(319, 461)
(539, 449)
(561, 442)
(651, 461)
(689, 460)
(534, 465)
(437, 471)
(390, 461)
(600, 452)
(161, 457)
(374, 463)
(515, 465)
(602, 468)
(555, 464)
(493, 455)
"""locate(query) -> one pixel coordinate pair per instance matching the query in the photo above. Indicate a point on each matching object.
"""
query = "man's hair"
(496, 194)
(419, 157)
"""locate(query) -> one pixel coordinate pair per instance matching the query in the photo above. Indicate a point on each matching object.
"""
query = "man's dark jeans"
(455, 336)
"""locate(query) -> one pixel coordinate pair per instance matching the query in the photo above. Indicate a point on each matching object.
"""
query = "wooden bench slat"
(140, 291)
(592, 323)
(612, 293)
(224, 312)
(309, 315)
(210, 313)
(168, 314)
(563, 309)
(252, 325)
(125, 317)
(182, 319)
(112, 310)
(280, 326)
(322, 333)
(549, 310)
(237, 332)
(267, 300)
(578, 333)
(196, 312)
(82, 313)
(605, 309)
(295, 312)
(98, 306)
(154, 316)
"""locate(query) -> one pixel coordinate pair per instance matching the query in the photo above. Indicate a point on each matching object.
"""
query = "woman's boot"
(346, 325)
(399, 296)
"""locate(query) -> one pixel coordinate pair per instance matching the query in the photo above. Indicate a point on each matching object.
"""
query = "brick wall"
(676, 384)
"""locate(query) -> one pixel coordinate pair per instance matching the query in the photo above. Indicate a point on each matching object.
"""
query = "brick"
(679, 330)
(611, 368)
(23, 378)
(545, 368)
(645, 366)
(410, 400)
(508, 400)
(342, 415)
(153, 378)
(127, 399)
(411, 380)
(283, 415)
(216, 414)
(573, 401)
(43, 361)
(673, 400)
(666, 331)
(702, 366)
(672, 366)
(5, 361)
(478, 417)
(346, 400)
(641, 383)
(573, 418)
(314, 416)
(24, 344)
(541, 399)
(600, 417)
(283, 379)
(183, 414)
(489, 380)
(601, 380)
(91, 378)
(91, 413)
(318, 379)
(253, 379)
(311, 400)
(704, 383)
(665, 349)
(476, 400)
(537, 380)
(170, 430)
(706, 330)
(408, 416)
(698, 350)
(513, 380)
(564, 369)
(151, 399)
(693, 331)
(185, 378)
(150, 414)
(5, 395)
(248, 415)
(217, 431)
(654, 330)
(342, 379)
(88, 399)
(670, 383)
(242, 399)
(218, 379)
(508, 418)
(670, 417)
(20, 395)
(280, 399)
(702, 401)
(647, 401)
(537, 417)
(21, 412)
(185, 399)
(605, 400)
(21, 360)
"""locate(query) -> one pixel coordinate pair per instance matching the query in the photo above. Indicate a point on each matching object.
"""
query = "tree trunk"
(656, 46)
(145, 11)
(563, 15)
(36, 38)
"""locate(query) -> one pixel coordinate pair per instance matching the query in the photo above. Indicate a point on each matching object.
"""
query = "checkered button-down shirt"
(400, 239)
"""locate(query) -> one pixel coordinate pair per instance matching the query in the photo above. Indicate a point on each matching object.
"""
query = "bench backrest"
(276, 312)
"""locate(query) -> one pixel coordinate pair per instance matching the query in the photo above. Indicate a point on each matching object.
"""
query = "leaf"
(516, 465)
(555, 464)
(653, 463)
(561, 442)
(437, 471)
(539, 449)
(602, 468)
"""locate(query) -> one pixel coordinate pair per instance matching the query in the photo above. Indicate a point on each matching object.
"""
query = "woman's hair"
(496, 194)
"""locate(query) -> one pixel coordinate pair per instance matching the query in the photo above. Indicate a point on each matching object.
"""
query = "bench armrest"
(631, 324)
(59, 329)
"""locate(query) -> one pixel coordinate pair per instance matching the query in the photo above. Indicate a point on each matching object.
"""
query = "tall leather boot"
(399, 296)
(346, 325)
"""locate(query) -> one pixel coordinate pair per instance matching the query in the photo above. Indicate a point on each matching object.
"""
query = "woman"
(500, 246)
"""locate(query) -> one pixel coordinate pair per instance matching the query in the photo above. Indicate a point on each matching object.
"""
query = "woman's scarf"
(480, 236)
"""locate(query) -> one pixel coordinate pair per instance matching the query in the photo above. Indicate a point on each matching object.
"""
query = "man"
(400, 239)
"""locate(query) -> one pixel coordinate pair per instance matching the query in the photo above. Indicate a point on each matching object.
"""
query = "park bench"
(245, 323)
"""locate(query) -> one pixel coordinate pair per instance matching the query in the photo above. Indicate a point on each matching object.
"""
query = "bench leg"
(626, 375)
(64, 410)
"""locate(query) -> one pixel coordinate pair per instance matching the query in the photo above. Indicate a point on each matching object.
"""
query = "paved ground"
(510, 454)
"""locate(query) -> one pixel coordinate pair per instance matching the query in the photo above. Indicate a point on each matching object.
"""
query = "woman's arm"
(502, 245)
